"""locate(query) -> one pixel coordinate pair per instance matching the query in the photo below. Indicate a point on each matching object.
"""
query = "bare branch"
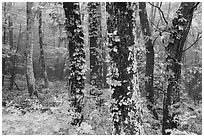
(160, 11)
(194, 8)
(196, 41)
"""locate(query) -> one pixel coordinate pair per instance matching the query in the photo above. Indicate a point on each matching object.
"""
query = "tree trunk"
(125, 112)
(95, 44)
(77, 57)
(12, 58)
(84, 11)
(29, 51)
(4, 41)
(149, 73)
(42, 56)
(181, 26)
(104, 43)
(15, 58)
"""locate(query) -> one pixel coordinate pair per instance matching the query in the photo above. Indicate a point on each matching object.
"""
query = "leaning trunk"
(181, 25)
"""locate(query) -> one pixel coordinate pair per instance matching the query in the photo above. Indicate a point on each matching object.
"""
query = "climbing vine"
(178, 34)
(95, 43)
(77, 56)
(121, 46)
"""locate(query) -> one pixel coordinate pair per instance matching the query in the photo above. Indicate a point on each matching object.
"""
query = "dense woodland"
(101, 68)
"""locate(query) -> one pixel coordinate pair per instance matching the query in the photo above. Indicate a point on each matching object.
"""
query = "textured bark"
(85, 24)
(29, 51)
(149, 73)
(121, 43)
(4, 41)
(103, 43)
(181, 25)
(42, 55)
(3, 69)
(77, 57)
(95, 44)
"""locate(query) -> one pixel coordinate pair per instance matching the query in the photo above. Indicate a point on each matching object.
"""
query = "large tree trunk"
(181, 25)
(149, 74)
(42, 56)
(29, 51)
(121, 44)
(77, 57)
(95, 44)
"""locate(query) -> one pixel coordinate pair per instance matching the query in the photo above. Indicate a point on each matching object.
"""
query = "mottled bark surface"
(121, 43)
(95, 44)
(29, 51)
(85, 24)
(77, 57)
(104, 43)
(42, 55)
(181, 25)
(149, 73)
(4, 41)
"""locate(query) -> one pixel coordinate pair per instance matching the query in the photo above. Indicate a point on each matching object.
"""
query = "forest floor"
(52, 113)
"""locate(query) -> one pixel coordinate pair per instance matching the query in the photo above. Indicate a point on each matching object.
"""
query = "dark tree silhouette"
(149, 74)
(96, 62)
(121, 43)
(77, 57)
(181, 26)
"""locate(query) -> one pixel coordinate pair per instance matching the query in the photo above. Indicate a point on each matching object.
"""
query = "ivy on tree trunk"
(77, 56)
(95, 44)
(85, 24)
(121, 44)
(178, 33)
(104, 44)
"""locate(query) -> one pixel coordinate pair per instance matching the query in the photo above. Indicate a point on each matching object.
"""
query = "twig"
(157, 27)
(16, 86)
(197, 39)
(196, 5)
(160, 11)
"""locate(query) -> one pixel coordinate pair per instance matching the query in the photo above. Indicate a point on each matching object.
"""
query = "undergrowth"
(52, 113)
